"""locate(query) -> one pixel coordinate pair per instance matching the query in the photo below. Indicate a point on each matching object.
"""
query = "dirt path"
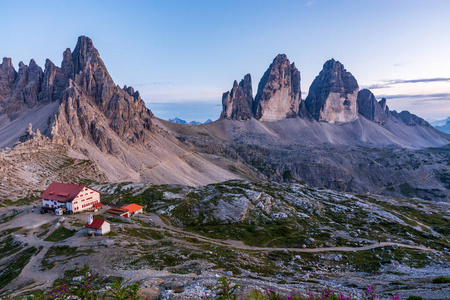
(240, 245)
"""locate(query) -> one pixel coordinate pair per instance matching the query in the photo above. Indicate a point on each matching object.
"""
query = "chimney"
(90, 219)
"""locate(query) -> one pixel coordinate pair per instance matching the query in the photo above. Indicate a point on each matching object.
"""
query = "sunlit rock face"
(333, 94)
(279, 94)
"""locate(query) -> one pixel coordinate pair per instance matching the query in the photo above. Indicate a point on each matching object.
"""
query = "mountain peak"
(86, 54)
(7, 62)
(333, 93)
(237, 104)
(278, 95)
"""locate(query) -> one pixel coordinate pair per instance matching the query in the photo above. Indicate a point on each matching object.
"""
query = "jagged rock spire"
(237, 104)
(279, 94)
(333, 94)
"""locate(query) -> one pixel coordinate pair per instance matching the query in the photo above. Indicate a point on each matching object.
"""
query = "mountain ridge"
(276, 136)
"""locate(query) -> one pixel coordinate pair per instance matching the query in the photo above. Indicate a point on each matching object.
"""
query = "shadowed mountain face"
(332, 95)
(369, 107)
(237, 104)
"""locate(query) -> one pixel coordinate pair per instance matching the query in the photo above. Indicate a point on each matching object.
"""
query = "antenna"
(90, 219)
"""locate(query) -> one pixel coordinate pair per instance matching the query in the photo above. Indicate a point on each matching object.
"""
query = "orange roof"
(132, 207)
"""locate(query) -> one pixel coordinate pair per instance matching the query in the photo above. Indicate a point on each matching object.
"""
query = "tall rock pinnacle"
(237, 104)
(279, 94)
(333, 94)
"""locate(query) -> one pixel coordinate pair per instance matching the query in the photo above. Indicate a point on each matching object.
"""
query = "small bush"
(414, 298)
(441, 279)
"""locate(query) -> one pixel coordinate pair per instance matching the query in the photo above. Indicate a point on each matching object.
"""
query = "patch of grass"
(144, 233)
(20, 202)
(9, 231)
(18, 262)
(60, 251)
(441, 279)
(9, 247)
(60, 234)
(7, 218)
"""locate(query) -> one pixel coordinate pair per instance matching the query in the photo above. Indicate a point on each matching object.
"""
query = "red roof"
(96, 223)
(132, 207)
(98, 204)
(62, 192)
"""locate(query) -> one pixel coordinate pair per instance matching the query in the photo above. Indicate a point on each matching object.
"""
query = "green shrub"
(441, 279)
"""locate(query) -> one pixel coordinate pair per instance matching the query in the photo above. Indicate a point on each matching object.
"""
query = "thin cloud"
(375, 86)
(389, 83)
(310, 3)
(400, 64)
(434, 97)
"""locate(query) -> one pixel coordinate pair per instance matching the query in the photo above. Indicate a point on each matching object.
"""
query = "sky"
(182, 55)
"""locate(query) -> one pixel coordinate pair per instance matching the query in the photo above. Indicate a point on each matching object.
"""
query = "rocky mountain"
(237, 104)
(181, 121)
(333, 94)
(279, 93)
(441, 122)
(444, 128)
(370, 108)
(79, 106)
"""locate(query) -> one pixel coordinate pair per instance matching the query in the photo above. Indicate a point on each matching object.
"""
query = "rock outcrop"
(24, 92)
(370, 108)
(237, 104)
(279, 94)
(7, 78)
(410, 119)
(378, 112)
(333, 94)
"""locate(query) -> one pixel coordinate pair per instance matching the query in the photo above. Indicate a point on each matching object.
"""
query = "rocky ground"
(263, 235)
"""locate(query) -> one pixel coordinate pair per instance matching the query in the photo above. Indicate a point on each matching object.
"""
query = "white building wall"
(85, 200)
(105, 228)
(53, 203)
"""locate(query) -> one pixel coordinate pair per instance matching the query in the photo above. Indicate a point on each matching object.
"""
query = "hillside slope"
(359, 156)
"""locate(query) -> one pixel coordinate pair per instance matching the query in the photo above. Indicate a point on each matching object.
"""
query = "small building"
(97, 226)
(71, 197)
(127, 211)
(133, 209)
(118, 212)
